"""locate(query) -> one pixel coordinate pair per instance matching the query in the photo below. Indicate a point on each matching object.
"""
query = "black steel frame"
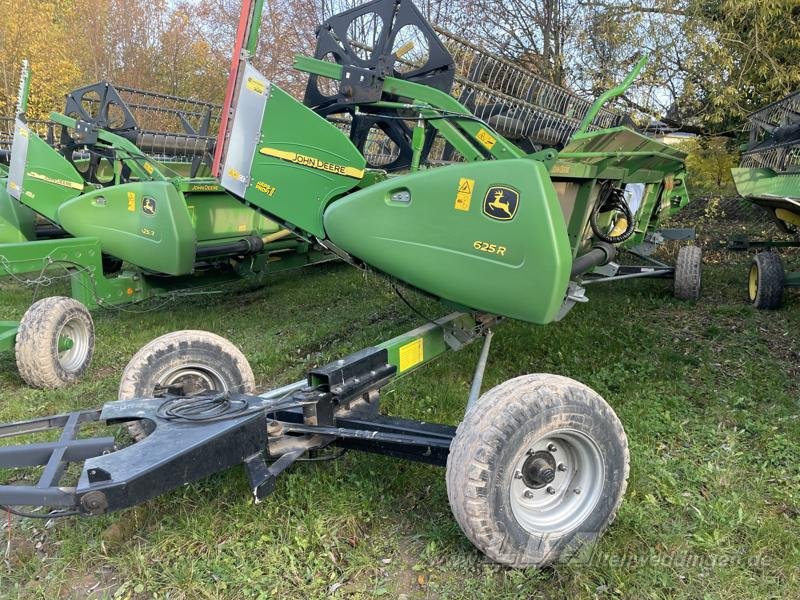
(338, 405)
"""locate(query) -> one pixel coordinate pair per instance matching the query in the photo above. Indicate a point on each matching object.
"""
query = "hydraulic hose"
(248, 245)
(609, 199)
(600, 254)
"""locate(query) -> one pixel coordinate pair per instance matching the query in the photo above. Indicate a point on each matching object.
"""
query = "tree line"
(711, 61)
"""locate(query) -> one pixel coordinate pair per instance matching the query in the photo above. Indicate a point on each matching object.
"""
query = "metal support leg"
(263, 477)
(480, 368)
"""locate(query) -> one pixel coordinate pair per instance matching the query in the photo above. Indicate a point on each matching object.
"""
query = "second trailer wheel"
(189, 362)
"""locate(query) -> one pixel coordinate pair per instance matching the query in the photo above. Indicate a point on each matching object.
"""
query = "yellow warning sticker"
(148, 168)
(132, 201)
(259, 87)
(464, 194)
(411, 355)
(486, 138)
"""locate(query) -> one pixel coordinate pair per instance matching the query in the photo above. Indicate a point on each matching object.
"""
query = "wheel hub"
(550, 495)
(539, 469)
(752, 283)
(191, 380)
(73, 344)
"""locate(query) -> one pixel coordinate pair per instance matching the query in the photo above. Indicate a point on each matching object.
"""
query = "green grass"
(708, 394)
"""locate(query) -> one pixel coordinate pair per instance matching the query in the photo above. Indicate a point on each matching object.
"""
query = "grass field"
(708, 394)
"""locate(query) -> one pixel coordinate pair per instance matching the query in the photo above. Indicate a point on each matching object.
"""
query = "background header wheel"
(55, 342)
(765, 281)
(688, 273)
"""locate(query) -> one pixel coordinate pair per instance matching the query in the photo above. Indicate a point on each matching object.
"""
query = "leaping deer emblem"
(498, 204)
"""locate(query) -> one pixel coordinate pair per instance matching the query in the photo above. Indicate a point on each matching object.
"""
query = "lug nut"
(577, 490)
(562, 467)
(528, 494)
(551, 489)
(517, 474)
(551, 447)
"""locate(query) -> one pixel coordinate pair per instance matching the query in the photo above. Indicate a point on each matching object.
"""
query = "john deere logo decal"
(501, 203)
(148, 205)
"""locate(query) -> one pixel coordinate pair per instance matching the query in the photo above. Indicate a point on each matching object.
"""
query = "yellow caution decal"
(314, 163)
(464, 194)
(411, 354)
(486, 138)
(254, 85)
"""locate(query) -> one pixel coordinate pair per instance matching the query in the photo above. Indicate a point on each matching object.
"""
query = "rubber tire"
(37, 342)
(169, 352)
(770, 281)
(688, 273)
(490, 439)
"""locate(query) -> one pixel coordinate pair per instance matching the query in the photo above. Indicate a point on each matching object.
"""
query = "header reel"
(377, 40)
(391, 38)
(775, 136)
(169, 128)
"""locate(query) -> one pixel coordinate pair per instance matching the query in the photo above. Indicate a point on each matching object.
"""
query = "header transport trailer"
(494, 225)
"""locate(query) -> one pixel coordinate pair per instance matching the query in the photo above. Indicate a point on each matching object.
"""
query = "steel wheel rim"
(77, 331)
(752, 284)
(563, 504)
(195, 379)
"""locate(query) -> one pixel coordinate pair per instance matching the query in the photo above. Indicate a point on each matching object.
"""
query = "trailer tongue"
(188, 440)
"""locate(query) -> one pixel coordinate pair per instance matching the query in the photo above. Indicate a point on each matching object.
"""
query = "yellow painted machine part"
(788, 216)
(278, 235)
(752, 284)
(619, 227)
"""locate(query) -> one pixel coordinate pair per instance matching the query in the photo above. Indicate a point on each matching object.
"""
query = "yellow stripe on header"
(61, 182)
(314, 163)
